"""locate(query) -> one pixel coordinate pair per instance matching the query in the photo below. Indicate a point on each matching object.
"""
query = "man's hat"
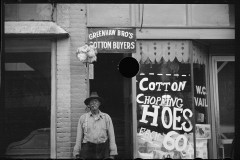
(94, 95)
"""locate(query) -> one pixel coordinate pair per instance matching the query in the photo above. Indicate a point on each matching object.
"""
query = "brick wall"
(71, 83)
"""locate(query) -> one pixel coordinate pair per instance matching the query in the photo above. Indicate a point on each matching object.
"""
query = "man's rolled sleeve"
(77, 146)
(112, 143)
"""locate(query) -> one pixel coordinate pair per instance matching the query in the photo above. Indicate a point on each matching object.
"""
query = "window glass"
(164, 100)
(226, 96)
(203, 128)
(27, 89)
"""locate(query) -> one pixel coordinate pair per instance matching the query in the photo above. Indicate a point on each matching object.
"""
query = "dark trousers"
(95, 151)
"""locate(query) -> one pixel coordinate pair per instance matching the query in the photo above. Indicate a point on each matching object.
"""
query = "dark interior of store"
(27, 94)
(111, 86)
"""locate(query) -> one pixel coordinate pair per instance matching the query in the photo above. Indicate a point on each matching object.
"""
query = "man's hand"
(111, 156)
(77, 156)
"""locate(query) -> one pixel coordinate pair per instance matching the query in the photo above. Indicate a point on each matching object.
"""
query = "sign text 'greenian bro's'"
(113, 40)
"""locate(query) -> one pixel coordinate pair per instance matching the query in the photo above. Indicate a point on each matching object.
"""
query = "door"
(224, 102)
(115, 90)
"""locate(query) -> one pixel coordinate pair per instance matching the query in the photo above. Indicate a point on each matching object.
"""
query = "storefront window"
(201, 105)
(27, 94)
(164, 100)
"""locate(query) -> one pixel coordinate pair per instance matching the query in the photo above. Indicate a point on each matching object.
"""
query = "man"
(95, 133)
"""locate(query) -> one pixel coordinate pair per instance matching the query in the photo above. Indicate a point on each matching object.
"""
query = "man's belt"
(95, 143)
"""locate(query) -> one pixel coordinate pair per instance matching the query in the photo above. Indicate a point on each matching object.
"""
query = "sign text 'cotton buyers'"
(113, 40)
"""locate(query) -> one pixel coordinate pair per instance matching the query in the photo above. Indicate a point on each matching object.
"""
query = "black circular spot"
(128, 67)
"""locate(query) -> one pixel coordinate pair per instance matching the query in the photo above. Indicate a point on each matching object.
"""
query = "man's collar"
(100, 114)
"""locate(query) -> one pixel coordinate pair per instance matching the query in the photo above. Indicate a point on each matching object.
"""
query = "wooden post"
(88, 87)
(193, 107)
(88, 84)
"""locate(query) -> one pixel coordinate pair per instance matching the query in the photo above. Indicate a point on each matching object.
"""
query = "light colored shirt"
(95, 131)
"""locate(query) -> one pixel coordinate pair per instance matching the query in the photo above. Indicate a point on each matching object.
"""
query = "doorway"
(224, 100)
(116, 91)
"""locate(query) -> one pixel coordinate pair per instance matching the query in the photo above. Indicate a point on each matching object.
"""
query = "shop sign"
(200, 99)
(113, 40)
(164, 125)
(200, 94)
(165, 129)
(164, 108)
